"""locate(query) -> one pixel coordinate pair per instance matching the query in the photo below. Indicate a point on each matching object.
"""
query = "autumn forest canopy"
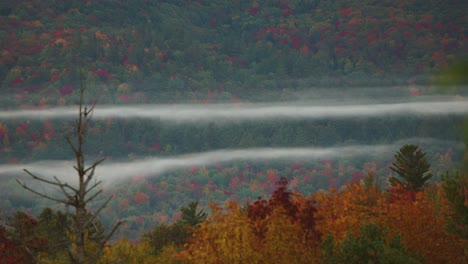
(276, 131)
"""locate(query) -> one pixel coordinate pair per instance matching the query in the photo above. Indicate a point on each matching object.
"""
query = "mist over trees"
(402, 204)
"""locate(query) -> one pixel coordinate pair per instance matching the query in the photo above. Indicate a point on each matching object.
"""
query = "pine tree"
(412, 168)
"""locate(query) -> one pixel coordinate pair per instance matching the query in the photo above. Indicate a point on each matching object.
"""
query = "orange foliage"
(419, 218)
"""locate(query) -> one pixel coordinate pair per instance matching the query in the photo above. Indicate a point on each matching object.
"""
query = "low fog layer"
(239, 112)
(112, 172)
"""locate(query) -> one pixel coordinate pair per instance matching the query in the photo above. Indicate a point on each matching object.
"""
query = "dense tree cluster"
(362, 222)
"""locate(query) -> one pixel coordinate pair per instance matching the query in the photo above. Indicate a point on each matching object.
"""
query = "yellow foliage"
(37, 24)
(125, 252)
(123, 88)
(204, 171)
(224, 238)
(230, 237)
(61, 41)
(286, 242)
(132, 67)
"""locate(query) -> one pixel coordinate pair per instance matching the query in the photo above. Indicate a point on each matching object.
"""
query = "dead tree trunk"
(79, 196)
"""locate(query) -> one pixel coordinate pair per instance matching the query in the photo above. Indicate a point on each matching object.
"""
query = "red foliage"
(414, 91)
(125, 98)
(296, 165)
(371, 38)
(176, 216)
(93, 19)
(357, 176)
(344, 33)
(16, 81)
(234, 183)
(288, 11)
(155, 147)
(300, 211)
(9, 250)
(49, 130)
(57, 34)
(125, 59)
(253, 11)
(66, 89)
(296, 42)
(272, 176)
(21, 128)
(213, 21)
(104, 74)
(124, 203)
(337, 25)
(141, 198)
(346, 11)
(3, 132)
(193, 170)
(139, 220)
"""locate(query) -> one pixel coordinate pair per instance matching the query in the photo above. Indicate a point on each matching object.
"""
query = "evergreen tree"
(371, 245)
(412, 168)
(190, 216)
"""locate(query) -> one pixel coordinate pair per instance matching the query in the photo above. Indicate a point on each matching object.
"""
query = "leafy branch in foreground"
(78, 197)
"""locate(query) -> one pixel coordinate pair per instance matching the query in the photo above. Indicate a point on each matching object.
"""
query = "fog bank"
(239, 112)
(111, 172)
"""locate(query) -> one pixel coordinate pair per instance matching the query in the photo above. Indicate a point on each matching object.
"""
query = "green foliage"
(167, 235)
(369, 246)
(453, 77)
(54, 225)
(176, 234)
(412, 168)
(190, 216)
(455, 190)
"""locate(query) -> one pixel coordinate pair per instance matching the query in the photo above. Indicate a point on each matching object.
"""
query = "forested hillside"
(303, 103)
(205, 51)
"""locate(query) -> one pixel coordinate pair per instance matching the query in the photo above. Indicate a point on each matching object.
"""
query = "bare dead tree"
(78, 197)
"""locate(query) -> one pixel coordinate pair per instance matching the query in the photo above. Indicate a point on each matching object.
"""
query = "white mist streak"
(149, 167)
(112, 172)
(239, 112)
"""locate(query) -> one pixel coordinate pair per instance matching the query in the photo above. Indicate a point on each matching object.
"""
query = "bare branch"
(71, 145)
(93, 196)
(106, 239)
(35, 177)
(63, 190)
(92, 187)
(43, 195)
(95, 164)
(65, 185)
(93, 216)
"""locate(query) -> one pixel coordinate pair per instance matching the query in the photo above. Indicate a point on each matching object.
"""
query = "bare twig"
(42, 194)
